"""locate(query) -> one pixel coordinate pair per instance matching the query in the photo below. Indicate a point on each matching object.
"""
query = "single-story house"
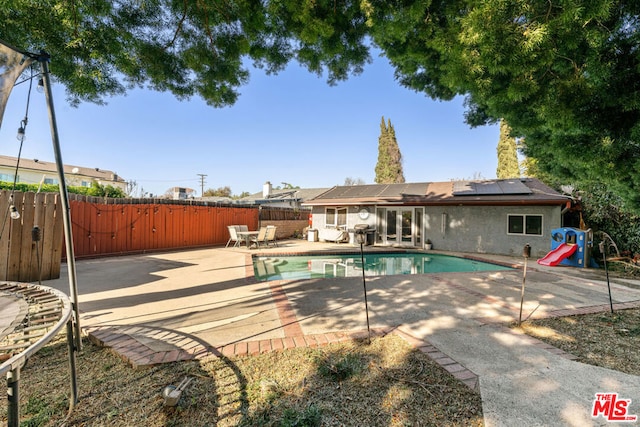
(287, 198)
(490, 216)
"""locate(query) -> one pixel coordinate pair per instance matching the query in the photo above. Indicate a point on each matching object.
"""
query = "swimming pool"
(376, 264)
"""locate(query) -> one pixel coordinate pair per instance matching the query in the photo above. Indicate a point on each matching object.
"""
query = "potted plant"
(427, 244)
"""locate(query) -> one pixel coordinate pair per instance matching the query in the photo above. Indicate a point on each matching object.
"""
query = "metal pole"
(73, 399)
(64, 200)
(364, 284)
(13, 397)
(603, 249)
(526, 252)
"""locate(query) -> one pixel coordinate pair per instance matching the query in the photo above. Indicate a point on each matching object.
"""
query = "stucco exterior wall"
(483, 229)
(353, 218)
(475, 229)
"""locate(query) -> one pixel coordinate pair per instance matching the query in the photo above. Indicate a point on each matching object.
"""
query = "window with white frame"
(528, 225)
(336, 217)
(50, 181)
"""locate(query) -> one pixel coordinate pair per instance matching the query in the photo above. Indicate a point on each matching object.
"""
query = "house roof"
(51, 167)
(525, 191)
(290, 194)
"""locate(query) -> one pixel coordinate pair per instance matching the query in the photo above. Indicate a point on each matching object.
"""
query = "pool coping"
(379, 250)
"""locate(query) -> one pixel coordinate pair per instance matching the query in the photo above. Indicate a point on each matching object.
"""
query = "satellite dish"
(75, 170)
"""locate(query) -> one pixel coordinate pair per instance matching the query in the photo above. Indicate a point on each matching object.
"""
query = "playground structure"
(570, 247)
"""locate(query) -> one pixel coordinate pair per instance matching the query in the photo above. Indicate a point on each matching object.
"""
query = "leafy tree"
(99, 190)
(565, 75)
(288, 186)
(219, 192)
(605, 211)
(103, 48)
(389, 166)
(508, 166)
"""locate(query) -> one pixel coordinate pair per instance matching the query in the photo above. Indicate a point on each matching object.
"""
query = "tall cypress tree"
(389, 166)
(508, 166)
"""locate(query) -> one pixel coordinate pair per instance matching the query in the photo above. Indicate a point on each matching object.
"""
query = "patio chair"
(233, 236)
(260, 238)
(243, 228)
(271, 235)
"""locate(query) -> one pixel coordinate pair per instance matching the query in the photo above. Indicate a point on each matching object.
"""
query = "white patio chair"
(271, 235)
(233, 236)
(260, 238)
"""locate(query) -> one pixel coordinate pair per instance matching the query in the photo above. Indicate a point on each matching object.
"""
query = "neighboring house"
(38, 171)
(180, 193)
(289, 198)
(490, 216)
(222, 200)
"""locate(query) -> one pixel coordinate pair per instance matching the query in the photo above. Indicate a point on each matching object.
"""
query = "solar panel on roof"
(490, 188)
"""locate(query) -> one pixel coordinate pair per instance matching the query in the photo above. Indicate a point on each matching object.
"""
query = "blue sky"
(292, 127)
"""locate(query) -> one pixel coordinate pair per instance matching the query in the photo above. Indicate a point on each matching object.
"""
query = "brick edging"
(139, 355)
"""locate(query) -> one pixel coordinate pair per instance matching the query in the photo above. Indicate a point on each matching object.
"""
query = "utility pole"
(202, 176)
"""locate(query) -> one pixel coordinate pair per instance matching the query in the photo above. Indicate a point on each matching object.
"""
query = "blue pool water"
(376, 264)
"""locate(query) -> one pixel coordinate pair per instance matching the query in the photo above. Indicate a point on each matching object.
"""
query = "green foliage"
(274, 416)
(339, 367)
(219, 192)
(309, 417)
(389, 166)
(95, 189)
(564, 75)
(606, 211)
(45, 188)
(103, 48)
(39, 410)
(508, 166)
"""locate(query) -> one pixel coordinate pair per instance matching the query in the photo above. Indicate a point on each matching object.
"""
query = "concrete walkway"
(183, 305)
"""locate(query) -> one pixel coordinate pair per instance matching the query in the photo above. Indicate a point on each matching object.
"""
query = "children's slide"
(558, 254)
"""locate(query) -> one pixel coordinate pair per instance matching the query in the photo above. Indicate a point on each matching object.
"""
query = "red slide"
(558, 254)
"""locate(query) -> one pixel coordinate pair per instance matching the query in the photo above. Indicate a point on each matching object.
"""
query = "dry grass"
(386, 383)
(383, 384)
(602, 339)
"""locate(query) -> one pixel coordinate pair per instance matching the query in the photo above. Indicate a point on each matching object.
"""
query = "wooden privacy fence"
(102, 227)
(124, 226)
(20, 255)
